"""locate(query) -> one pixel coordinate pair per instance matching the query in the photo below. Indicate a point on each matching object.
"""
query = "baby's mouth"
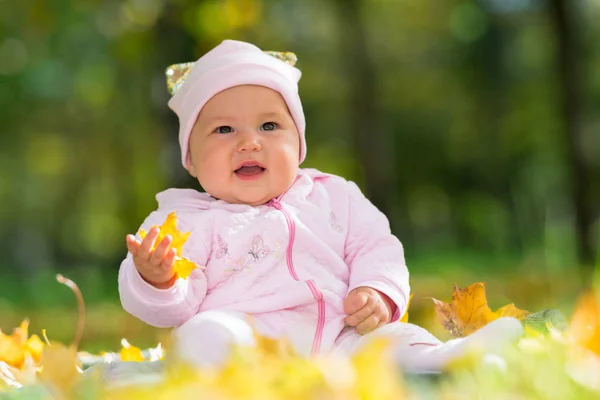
(249, 170)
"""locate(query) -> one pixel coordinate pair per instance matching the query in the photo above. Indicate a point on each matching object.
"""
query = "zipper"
(321, 321)
(292, 228)
(275, 203)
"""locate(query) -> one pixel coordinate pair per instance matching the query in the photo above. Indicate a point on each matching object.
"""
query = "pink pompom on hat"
(232, 63)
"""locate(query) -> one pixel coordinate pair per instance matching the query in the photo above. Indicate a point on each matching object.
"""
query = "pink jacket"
(289, 263)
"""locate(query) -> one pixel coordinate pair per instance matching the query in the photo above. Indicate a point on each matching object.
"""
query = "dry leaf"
(405, 316)
(59, 368)
(130, 353)
(468, 311)
(585, 323)
(15, 348)
(376, 374)
(183, 267)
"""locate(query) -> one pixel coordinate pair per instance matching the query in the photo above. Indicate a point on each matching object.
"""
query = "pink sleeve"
(375, 256)
(169, 307)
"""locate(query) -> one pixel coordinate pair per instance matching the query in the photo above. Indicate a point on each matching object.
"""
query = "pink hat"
(232, 63)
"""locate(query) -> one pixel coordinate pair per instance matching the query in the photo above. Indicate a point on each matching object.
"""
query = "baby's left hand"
(367, 309)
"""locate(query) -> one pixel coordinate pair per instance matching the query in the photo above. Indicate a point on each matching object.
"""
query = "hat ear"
(177, 73)
(287, 57)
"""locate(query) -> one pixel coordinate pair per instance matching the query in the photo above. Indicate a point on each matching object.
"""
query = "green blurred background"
(471, 124)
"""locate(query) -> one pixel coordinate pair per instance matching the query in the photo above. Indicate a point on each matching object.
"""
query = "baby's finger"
(169, 260)
(367, 325)
(132, 244)
(161, 250)
(360, 315)
(355, 301)
(146, 246)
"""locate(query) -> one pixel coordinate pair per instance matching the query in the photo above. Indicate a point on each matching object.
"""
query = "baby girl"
(288, 252)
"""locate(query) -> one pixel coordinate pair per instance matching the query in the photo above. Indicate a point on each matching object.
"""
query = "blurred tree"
(571, 74)
(372, 139)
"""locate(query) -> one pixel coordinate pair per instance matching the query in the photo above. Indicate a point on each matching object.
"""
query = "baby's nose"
(249, 141)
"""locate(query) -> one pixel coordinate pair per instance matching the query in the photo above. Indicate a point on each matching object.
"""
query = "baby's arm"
(375, 256)
(176, 304)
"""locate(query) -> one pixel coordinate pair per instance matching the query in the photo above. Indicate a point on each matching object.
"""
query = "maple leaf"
(405, 316)
(468, 311)
(183, 267)
(15, 348)
(584, 328)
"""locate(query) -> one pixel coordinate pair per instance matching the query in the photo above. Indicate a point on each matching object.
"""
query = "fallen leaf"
(129, 352)
(15, 348)
(584, 328)
(511, 310)
(59, 371)
(405, 316)
(183, 267)
(377, 376)
(468, 311)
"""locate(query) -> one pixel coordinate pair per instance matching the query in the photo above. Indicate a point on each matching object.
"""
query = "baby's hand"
(156, 267)
(367, 309)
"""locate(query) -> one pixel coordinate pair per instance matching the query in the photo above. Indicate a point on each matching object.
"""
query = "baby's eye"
(224, 129)
(268, 126)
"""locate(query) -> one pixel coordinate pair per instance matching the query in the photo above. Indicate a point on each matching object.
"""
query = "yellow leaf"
(468, 311)
(15, 348)
(130, 353)
(35, 347)
(405, 316)
(59, 368)
(182, 266)
(169, 227)
(584, 328)
(511, 311)
(10, 351)
(376, 374)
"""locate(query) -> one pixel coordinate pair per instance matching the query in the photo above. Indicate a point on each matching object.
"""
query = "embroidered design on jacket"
(334, 224)
(259, 249)
(223, 251)
(257, 252)
(278, 251)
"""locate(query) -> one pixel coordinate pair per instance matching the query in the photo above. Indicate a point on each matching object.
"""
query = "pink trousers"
(207, 339)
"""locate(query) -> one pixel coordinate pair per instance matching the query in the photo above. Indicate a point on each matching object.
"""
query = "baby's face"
(244, 147)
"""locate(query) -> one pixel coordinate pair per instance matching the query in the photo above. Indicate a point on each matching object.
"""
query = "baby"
(288, 252)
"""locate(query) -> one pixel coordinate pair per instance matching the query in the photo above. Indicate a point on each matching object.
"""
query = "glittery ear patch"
(287, 57)
(177, 73)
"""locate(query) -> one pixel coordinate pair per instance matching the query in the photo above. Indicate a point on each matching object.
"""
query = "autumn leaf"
(16, 347)
(468, 311)
(405, 316)
(59, 368)
(584, 328)
(129, 352)
(183, 267)
(511, 310)
(376, 374)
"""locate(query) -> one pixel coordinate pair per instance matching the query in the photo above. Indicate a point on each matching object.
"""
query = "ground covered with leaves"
(556, 359)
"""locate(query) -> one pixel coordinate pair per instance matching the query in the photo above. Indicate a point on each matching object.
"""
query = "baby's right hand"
(156, 267)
